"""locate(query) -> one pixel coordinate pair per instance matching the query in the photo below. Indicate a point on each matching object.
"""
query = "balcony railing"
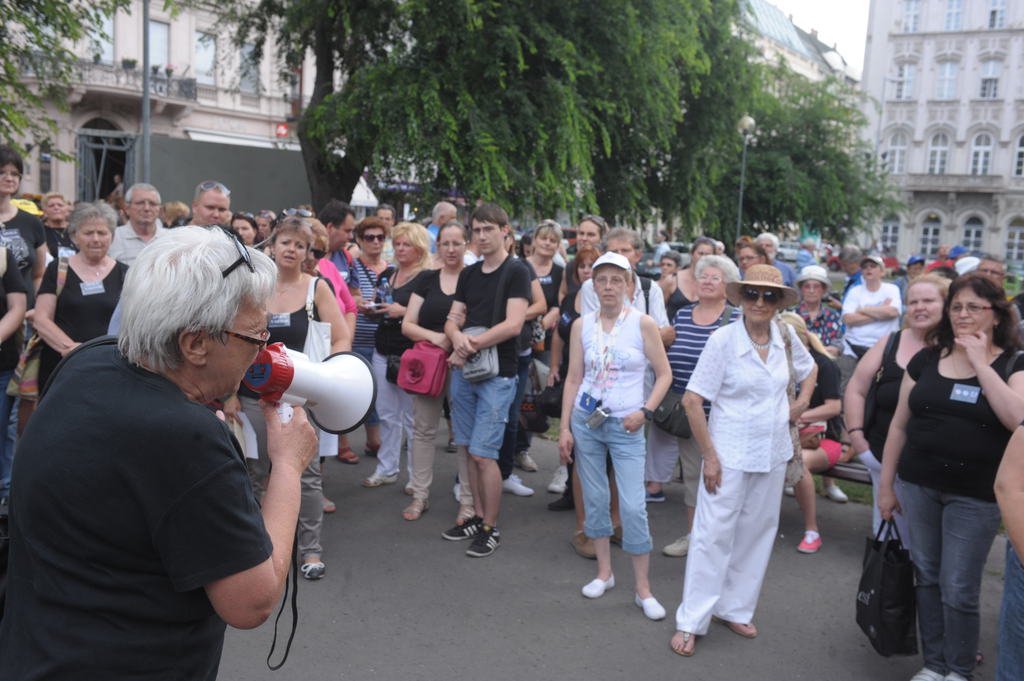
(951, 183)
(117, 77)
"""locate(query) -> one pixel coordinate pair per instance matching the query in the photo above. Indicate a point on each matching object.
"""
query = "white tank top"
(621, 386)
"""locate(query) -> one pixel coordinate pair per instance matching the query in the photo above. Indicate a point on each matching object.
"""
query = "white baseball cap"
(609, 258)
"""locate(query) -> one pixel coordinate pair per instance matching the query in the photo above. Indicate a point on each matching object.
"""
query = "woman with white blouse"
(744, 372)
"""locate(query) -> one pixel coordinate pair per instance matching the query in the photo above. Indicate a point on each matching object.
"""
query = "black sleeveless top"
(675, 302)
(564, 328)
(287, 328)
(887, 396)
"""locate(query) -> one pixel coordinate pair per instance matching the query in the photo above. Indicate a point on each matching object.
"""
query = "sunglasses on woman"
(300, 212)
(373, 237)
(752, 294)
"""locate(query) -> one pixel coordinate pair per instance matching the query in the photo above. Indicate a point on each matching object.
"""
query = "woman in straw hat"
(744, 371)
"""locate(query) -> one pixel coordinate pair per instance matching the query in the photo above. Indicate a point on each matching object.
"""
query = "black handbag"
(549, 401)
(394, 365)
(886, 601)
(671, 417)
(530, 415)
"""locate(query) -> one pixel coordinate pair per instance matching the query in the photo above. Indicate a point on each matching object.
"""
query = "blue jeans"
(1010, 666)
(8, 434)
(507, 456)
(372, 419)
(479, 412)
(629, 456)
(950, 537)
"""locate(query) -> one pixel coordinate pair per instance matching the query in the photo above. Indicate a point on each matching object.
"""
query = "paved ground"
(398, 602)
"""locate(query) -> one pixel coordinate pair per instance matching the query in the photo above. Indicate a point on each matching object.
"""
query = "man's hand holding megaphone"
(291, 444)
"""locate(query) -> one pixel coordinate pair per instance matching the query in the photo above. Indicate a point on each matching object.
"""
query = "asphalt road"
(400, 603)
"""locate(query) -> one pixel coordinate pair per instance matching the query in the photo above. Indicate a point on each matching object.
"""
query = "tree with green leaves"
(518, 101)
(37, 62)
(807, 164)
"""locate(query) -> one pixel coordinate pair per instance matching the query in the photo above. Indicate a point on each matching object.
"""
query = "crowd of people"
(742, 377)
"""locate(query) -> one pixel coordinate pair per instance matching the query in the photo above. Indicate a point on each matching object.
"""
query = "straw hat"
(762, 276)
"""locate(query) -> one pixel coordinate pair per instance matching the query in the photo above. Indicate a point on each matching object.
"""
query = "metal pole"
(743, 174)
(145, 90)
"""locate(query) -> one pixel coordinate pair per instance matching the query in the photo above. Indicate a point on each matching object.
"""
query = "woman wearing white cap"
(745, 372)
(603, 401)
(821, 320)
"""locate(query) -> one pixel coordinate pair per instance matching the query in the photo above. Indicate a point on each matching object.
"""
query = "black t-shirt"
(953, 445)
(12, 283)
(827, 387)
(436, 303)
(127, 499)
(58, 240)
(83, 311)
(389, 339)
(23, 234)
(550, 284)
(478, 290)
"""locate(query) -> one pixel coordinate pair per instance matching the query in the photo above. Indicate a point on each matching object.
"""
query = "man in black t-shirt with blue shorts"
(493, 294)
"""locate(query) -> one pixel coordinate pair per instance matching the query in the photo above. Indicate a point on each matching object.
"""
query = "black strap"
(499, 310)
(295, 609)
(727, 317)
(645, 286)
(1009, 365)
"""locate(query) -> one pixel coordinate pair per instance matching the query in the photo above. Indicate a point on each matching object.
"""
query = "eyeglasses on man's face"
(260, 341)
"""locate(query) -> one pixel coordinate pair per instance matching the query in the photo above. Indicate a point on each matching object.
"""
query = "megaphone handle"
(284, 411)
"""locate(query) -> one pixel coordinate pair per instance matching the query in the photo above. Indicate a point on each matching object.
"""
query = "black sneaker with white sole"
(485, 543)
(466, 530)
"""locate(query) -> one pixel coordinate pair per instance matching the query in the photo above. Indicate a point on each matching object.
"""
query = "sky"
(844, 22)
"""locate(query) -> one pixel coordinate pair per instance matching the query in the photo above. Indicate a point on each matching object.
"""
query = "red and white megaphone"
(338, 392)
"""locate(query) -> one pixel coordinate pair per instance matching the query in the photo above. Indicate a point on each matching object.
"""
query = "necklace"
(759, 346)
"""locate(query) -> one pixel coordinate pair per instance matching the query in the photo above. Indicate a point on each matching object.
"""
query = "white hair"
(721, 263)
(177, 284)
(441, 209)
(141, 186)
(86, 212)
(768, 236)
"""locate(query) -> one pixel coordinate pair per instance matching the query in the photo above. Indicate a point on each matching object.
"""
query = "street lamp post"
(746, 128)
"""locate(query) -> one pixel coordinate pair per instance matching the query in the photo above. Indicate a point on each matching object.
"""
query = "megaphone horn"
(338, 393)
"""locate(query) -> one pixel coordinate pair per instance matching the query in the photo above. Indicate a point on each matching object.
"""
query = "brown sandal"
(689, 644)
(415, 509)
(744, 630)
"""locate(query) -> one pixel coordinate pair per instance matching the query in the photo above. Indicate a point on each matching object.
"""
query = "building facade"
(215, 112)
(948, 122)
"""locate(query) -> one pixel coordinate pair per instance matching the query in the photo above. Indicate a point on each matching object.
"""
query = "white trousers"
(731, 542)
(394, 407)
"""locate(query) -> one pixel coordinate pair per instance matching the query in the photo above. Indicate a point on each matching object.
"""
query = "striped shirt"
(366, 327)
(689, 343)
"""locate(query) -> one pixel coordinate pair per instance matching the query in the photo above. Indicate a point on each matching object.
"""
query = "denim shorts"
(480, 412)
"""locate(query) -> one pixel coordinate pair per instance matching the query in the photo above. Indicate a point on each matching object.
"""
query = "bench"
(852, 471)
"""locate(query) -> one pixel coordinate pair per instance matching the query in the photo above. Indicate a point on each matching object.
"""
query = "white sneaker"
(653, 610)
(597, 587)
(679, 548)
(927, 675)
(953, 676)
(376, 480)
(526, 462)
(559, 480)
(789, 491)
(515, 486)
(835, 494)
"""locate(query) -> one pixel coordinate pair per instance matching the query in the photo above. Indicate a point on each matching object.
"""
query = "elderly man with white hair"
(806, 256)
(143, 206)
(135, 534)
(770, 243)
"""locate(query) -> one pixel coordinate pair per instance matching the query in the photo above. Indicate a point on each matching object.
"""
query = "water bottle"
(384, 294)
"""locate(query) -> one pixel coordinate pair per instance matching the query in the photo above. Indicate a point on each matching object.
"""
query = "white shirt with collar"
(127, 244)
(589, 302)
(749, 422)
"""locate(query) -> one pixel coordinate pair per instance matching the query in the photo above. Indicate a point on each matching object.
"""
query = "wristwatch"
(648, 414)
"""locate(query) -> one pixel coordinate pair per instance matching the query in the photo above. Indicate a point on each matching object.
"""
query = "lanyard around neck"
(604, 344)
